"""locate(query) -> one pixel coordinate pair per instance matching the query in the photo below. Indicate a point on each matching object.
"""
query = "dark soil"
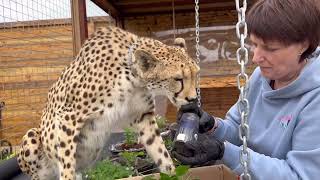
(129, 146)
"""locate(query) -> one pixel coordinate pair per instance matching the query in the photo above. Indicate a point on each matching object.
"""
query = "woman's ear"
(305, 45)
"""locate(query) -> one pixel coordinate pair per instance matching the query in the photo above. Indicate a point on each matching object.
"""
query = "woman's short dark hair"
(287, 21)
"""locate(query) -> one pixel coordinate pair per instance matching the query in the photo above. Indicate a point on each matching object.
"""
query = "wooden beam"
(144, 2)
(178, 8)
(176, 12)
(218, 82)
(108, 7)
(128, 8)
(135, 2)
(79, 28)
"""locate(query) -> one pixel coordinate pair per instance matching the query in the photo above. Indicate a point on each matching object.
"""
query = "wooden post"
(79, 24)
(120, 22)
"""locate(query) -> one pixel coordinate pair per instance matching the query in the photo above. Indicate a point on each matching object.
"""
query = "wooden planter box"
(216, 172)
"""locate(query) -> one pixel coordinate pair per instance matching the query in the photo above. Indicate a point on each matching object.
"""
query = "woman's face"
(277, 61)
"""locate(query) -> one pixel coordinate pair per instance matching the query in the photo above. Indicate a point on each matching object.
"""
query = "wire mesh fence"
(35, 46)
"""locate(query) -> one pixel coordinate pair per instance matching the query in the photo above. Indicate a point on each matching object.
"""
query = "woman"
(284, 97)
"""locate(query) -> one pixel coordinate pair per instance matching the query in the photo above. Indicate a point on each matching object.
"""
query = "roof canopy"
(127, 8)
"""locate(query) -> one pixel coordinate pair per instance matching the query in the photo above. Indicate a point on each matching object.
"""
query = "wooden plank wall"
(31, 59)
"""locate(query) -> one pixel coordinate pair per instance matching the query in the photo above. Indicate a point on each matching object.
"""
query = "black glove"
(206, 122)
(205, 149)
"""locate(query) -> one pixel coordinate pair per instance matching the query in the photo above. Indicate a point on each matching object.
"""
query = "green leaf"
(107, 170)
(130, 157)
(161, 121)
(181, 170)
(164, 176)
(174, 177)
(151, 177)
(131, 137)
(168, 143)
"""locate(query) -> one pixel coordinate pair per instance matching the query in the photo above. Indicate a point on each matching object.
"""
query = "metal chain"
(174, 21)
(130, 51)
(243, 85)
(197, 50)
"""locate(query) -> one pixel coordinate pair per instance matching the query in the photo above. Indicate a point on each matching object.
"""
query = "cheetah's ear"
(144, 60)
(180, 42)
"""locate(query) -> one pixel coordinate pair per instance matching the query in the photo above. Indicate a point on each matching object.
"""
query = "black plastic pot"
(9, 169)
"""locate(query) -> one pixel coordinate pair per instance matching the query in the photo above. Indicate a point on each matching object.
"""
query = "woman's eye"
(254, 45)
(270, 49)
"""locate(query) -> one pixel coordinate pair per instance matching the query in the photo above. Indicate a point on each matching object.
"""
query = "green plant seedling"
(180, 173)
(2, 159)
(107, 170)
(130, 157)
(168, 143)
(131, 137)
(161, 121)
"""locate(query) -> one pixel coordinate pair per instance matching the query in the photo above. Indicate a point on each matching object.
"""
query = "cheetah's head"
(168, 70)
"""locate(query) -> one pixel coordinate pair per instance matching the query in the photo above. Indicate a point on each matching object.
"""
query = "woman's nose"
(257, 56)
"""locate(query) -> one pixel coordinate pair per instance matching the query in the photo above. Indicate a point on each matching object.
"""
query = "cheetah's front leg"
(66, 144)
(151, 139)
(66, 155)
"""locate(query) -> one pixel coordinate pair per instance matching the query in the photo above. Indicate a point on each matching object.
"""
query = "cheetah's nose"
(191, 99)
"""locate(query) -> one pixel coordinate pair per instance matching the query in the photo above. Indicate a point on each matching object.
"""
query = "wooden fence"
(31, 59)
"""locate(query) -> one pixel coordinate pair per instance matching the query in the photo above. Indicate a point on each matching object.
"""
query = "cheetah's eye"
(178, 79)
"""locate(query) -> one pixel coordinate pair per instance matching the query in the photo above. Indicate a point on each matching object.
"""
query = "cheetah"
(112, 82)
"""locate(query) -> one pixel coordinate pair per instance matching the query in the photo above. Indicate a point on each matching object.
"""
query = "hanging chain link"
(243, 85)
(130, 51)
(197, 31)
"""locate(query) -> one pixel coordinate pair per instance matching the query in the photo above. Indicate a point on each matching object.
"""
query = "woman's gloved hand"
(206, 122)
(204, 149)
